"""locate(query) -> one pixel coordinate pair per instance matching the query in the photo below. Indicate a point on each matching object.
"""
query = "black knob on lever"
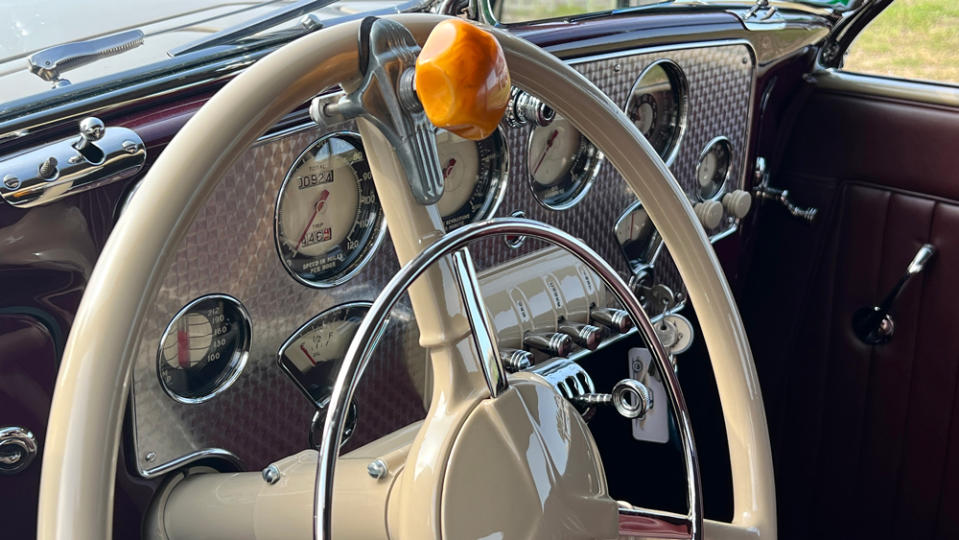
(873, 325)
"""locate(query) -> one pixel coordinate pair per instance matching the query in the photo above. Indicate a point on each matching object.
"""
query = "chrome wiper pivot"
(49, 63)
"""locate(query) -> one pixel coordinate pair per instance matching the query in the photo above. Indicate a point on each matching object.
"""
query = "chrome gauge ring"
(359, 352)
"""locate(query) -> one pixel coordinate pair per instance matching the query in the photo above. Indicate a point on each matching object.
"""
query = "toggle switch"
(551, 343)
(516, 359)
(616, 320)
(584, 335)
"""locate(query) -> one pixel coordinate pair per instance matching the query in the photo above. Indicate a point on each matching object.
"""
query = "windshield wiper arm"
(251, 27)
(50, 62)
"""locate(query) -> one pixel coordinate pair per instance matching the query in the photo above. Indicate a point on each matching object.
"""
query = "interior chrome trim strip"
(359, 353)
(930, 92)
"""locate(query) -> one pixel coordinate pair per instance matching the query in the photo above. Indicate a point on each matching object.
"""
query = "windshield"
(30, 26)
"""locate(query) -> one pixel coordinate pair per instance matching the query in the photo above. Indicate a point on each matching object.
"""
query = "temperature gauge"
(204, 348)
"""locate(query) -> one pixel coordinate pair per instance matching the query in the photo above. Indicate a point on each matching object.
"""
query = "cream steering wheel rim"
(80, 455)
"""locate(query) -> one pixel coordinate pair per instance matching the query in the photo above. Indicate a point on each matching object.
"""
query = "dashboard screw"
(11, 182)
(150, 456)
(377, 469)
(130, 147)
(271, 474)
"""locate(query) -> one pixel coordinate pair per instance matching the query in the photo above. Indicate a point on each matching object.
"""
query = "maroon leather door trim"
(865, 439)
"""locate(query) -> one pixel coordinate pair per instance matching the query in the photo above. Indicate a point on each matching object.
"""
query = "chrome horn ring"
(371, 328)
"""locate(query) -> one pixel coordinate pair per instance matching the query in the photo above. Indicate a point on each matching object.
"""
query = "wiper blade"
(248, 28)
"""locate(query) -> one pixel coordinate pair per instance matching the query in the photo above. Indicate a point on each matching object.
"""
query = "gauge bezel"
(497, 189)
(299, 332)
(593, 160)
(237, 361)
(724, 185)
(680, 88)
(369, 248)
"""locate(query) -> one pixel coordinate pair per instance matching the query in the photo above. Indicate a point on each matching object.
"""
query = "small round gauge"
(562, 164)
(657, 105)
(328, 218)
(475, 175)
(713, 168)
(312, 356)
(204, 348)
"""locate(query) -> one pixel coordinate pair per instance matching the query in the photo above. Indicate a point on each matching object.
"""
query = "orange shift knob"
(462, 80)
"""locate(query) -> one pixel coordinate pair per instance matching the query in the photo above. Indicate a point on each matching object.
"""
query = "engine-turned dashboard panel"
(291, 232)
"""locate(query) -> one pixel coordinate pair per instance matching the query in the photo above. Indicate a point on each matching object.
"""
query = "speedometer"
(474, 173)
(328, 219)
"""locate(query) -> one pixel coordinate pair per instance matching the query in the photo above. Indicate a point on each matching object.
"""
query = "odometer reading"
(328, 217)
(204, 348)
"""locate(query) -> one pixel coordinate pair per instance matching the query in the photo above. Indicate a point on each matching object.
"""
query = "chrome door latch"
(873, 325)
(763, 191)
(98, 156)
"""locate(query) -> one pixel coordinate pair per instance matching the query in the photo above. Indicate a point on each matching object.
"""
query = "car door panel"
(861, 434)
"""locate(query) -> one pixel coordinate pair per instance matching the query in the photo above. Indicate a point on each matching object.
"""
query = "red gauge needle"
(449, 168)
(549, 144)
(316, 210)
(303, 348)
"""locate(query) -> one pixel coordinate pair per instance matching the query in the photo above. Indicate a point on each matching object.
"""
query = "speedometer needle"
(549, 144)
(316, 210)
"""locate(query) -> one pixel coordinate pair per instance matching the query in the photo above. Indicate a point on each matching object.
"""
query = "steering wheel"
(471, 398)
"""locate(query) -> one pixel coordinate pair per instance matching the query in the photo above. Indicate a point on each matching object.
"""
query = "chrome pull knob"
(584, 335)
(551, 343)
(873, 325)
(630, 398)
(616, 320)
(516, 359)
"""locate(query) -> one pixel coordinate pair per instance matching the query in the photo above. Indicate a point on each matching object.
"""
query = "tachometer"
(562, 164)
(475, 176)
(204, 348)
(657, 105)
(328, 219)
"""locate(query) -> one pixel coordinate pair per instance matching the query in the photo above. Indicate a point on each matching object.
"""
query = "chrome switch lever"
(630, 398)
(584, 335)
(616, 320)
(551, 343)
(873, 325)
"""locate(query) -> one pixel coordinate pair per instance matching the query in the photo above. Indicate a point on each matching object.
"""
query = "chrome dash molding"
(99, 155)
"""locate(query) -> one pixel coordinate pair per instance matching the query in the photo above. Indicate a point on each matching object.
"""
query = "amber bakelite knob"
(462, 79)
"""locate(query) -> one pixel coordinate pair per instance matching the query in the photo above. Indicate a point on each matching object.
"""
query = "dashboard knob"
(710, 213)
(616, 320)
(516, 359)
(551, 343)
(738, 203)
(584, 335)
(462, 80)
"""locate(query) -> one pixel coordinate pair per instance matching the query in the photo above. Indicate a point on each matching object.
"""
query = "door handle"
(873, 325)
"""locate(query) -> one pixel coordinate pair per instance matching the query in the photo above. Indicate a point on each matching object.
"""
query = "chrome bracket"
(386, 96)
(98, 156)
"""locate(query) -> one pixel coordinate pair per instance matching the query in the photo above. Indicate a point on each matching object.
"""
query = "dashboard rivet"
(130, 147)
(617, 68)
(271, 474)
(150, 456)
(11, 182)
(377, 469)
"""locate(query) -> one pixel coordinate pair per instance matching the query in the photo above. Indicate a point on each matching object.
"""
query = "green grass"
(911, 39)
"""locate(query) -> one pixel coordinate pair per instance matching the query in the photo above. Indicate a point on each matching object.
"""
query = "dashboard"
(280, 264)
